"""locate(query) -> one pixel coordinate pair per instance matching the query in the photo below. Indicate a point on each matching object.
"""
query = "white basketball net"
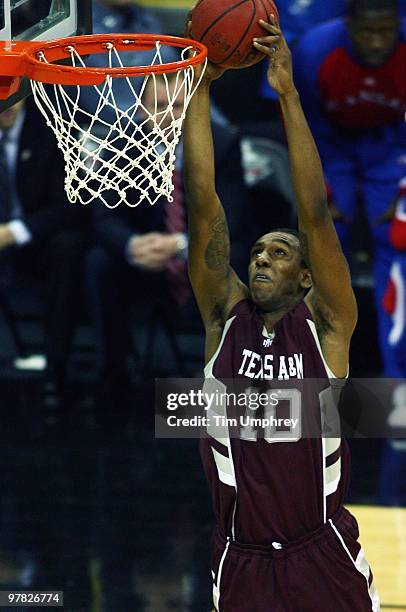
(130, 159)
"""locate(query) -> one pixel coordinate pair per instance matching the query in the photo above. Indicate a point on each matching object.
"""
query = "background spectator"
(111, 16)
(393, 470)
(299, 16)
(395, 297)
(350, 73)
(41, 234)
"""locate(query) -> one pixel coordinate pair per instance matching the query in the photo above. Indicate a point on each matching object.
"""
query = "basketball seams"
(268, 15)
(254, 13)
(220, 17)
(227, 28)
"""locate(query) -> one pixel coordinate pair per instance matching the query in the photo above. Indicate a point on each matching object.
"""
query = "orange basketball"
(227, 28)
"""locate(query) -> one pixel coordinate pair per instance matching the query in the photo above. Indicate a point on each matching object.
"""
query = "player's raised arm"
(332, 299)
(215, 284)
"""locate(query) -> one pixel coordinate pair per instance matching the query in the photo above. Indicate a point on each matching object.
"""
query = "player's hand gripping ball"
(274, 46)
(227, 28)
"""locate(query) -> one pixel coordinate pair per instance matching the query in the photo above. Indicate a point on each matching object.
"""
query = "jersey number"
(280, 417)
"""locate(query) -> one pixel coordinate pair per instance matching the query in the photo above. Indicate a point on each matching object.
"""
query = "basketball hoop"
(132, 157)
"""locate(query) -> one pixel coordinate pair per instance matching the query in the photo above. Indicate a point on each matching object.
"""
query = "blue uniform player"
(392, 489)
(351, 76)
(299, 16)
(395, 298)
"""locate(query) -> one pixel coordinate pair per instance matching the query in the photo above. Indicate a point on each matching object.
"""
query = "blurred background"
(91, 502)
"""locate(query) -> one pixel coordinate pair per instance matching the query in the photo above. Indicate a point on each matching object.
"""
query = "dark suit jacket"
(113, 228)
(40, 179)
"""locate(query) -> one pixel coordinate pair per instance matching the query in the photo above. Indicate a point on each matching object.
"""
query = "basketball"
(227, 28)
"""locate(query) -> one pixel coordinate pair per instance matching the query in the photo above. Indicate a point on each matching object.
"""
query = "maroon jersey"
(267, 491)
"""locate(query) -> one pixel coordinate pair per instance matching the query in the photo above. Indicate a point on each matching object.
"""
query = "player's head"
(278, 273)
(374, 29)
(10, 115)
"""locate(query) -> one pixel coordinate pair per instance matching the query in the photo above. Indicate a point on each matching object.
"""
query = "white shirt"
(16, 226)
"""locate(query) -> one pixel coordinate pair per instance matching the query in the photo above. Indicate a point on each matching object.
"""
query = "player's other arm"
(332, 299)
(215, 284)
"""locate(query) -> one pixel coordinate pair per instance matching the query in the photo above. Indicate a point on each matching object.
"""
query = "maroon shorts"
(325, 571)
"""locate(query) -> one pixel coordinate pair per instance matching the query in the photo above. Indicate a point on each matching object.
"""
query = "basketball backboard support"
(38, 20)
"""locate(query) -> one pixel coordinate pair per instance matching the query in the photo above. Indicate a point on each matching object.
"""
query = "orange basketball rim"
(36, 60)
(117, 149)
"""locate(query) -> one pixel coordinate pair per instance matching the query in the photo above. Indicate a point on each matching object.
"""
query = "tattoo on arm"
(217, 255)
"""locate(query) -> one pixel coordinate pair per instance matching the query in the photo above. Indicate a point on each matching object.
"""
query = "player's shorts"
(325, 571)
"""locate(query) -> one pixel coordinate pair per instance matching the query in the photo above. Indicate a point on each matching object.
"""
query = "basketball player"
(283, 541)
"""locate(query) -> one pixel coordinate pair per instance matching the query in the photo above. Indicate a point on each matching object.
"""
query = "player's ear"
(306, 281)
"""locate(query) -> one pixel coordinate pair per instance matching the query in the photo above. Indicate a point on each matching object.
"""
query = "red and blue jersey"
(395, 298)
(398, 230)
(337, 90)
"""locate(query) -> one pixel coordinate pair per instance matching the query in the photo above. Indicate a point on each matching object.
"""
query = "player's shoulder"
(324, 38)
(243, 308)
(299, 324)
(299, 315)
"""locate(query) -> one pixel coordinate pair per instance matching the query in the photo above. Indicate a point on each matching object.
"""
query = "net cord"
(128, 160)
